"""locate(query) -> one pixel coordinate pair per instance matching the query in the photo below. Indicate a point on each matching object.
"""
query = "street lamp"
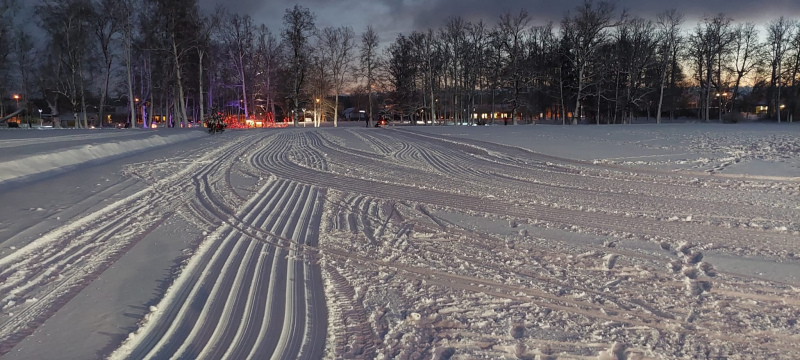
(40, 117)
(135, 119)
(16, 97)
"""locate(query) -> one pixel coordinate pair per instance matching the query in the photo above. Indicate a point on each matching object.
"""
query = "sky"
(391, 17)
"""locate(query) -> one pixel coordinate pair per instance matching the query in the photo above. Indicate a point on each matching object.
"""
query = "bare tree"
(207, 25)
(338, 43)
(105, 24)
(669, 23)
(778, 36)
(794, 70)
(8, 9)
(495, 65)
(240, 39)
(583, 33)
(512, 29)
(67, 23)
(710, 42)
(401, 69)
(636, 42)
(298, 28)
(369, 62)
(267, 52)
(321, 80)
(746, 58)
(128, 17)
(175, 19)
(475, 59)
(431, 69)
(24, 54)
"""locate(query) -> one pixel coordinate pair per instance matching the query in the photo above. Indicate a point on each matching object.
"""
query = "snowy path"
(359, 243)
(685, 211)
(645, 214)
(53, 267)
(249, 293)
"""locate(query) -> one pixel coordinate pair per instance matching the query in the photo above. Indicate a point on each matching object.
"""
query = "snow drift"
(43, 163)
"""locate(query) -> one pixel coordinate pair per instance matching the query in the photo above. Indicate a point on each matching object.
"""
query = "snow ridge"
(42, 163)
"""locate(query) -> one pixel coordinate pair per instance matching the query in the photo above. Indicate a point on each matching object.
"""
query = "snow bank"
(74, 156)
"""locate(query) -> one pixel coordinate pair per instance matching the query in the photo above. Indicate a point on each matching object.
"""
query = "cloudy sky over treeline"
(390, 17)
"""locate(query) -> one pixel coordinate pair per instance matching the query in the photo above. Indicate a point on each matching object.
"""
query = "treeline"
(171, 59)
(601, 65)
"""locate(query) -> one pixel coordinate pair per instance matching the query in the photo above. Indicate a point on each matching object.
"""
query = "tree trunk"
(129, 78)
(210, 92)
(181, 110)
(598, 105)
(576, 115)
(516, 102)
(176, 104)
(719, 85)
(369, 118)
(561, 90)
(101, 112)
(83, 102)
(433, 97)
(673, 70)
(200, 54)
(270, 98)
(244, 93)
(336, 111)
(493, 105)
(778, 98)
(662, 80)
(707, 115)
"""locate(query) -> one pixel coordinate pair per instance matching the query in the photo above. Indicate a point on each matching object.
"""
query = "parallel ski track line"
(76, 254)
(572, 179)
(441, 161)
(227, 325)
(64, 249)
(642, 201)
(489, 149)
(156, 339)
(240, 299)
(379, 147)
(280, 165)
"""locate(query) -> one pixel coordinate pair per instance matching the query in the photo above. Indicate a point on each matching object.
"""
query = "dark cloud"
(390, 17)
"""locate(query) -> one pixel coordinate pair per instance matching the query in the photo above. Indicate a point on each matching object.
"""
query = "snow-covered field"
(550, 242)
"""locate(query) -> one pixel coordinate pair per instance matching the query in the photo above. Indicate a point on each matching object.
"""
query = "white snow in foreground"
(134, 338)
(41, 163)
(601, 242)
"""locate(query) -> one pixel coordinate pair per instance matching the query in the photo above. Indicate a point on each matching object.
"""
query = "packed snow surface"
(518, 242)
